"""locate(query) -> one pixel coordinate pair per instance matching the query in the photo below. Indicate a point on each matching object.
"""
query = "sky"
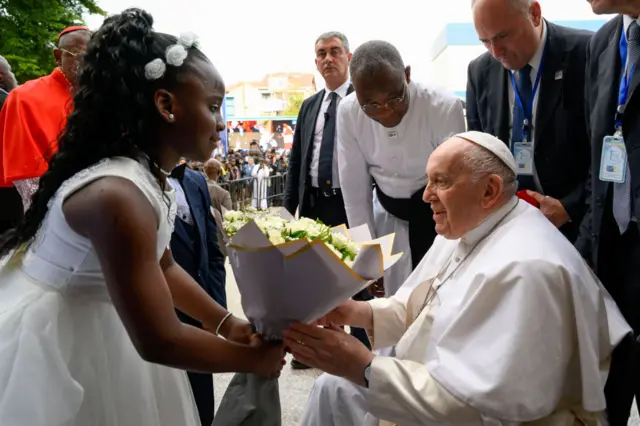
(247, 39)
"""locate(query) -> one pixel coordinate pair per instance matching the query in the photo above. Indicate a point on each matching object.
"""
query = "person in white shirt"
(502, 323)
(387, 130)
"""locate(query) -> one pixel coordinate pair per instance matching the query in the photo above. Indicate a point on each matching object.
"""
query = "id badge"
(613, 163)
(523, 154)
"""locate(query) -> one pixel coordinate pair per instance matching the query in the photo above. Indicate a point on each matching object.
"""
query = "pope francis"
(502, 322)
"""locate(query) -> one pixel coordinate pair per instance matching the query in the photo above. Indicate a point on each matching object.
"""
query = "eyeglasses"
(71, 53)
(373, 109)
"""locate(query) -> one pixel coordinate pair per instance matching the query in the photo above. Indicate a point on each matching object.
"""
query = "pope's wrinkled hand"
(329, 349)
(342, 315)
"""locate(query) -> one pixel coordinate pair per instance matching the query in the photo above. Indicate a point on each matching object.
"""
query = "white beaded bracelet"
(222, 322)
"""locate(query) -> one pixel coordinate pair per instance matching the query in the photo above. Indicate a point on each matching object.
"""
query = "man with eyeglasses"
(527, 89)
(386, 132)
(34, 114)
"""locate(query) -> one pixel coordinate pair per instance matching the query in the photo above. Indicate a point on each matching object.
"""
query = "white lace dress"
(65, 356)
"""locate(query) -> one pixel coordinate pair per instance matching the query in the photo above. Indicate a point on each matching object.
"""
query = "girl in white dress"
(88, 331)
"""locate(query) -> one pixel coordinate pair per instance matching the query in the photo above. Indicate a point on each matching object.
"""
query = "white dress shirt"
(395, 157)
(184, 211)
(317, 138)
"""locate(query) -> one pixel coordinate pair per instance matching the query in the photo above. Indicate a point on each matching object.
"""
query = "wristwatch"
(367, 375)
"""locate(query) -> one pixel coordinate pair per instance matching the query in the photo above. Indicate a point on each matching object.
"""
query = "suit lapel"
(350, 89)
(550, 87)
(312, 119)
(497, 94)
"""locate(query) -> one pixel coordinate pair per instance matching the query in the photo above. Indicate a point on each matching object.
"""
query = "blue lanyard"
(624, 80)
(528, 112)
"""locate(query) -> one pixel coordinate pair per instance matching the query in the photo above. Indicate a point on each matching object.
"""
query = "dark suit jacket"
(201, 258)
(301, 154)
(562, 149)
(604, 69)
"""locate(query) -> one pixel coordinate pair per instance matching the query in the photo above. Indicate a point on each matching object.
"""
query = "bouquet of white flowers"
(290, 270)
(280, 230)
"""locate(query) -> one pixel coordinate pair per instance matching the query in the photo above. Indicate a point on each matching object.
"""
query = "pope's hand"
(551, 208)
(329, 349)
(342, 315)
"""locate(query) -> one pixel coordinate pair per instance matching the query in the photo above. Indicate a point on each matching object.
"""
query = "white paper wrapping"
(300, 281)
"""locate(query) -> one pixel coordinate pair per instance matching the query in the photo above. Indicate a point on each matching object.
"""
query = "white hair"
(334, 34)
(483, 162)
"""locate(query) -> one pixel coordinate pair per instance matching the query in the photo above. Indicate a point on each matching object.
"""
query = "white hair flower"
(188, 39)
(176, 55)
(155, 69)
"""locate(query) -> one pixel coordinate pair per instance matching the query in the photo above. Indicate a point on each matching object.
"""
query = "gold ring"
(254, 336)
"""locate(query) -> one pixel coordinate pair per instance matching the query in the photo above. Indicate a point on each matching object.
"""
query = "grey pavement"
(294, 385)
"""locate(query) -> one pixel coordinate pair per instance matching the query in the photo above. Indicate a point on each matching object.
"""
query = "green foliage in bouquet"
(280, 231)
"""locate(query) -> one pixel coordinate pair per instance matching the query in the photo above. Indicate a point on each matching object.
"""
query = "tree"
(29, 31)
(293, 105)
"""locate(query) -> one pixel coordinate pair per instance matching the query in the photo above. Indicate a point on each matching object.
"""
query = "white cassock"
(396, 158)
(519, 331)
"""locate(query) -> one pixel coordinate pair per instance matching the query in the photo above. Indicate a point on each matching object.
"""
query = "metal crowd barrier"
(260, 193)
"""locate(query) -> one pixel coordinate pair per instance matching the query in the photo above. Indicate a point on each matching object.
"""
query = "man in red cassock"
(34, 114)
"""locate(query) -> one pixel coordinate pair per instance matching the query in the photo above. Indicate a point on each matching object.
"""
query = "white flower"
(176, 55)
(276, 239)
(352, 249)
(188, 39)
(339, 240)
(233, 215)
(155, 69)
(295, 227)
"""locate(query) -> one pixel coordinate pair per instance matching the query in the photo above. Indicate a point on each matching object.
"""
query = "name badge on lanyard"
(613, 160)
(523, 151)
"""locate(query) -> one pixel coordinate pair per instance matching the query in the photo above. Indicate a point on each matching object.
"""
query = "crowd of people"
(516, 299)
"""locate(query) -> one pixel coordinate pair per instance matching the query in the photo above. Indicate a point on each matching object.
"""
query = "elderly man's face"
(458, 201)
(384, 96)
(69, 54)
(511, 36)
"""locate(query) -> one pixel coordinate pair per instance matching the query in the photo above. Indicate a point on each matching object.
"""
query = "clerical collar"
(62, 79)
(341, 91)
(489, 222)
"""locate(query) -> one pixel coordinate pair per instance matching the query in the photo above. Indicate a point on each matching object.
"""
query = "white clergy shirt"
(395, 157)
(317, 137)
